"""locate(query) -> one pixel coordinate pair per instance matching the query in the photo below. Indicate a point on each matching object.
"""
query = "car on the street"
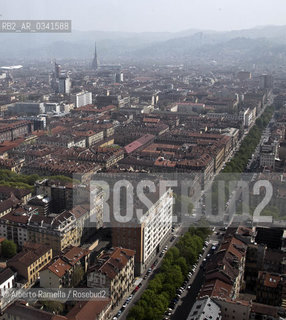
(136, 289)
(172, 306)
(118, 313)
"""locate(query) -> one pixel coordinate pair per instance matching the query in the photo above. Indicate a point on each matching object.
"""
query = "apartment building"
(224, 274)
(233, 309)
(19, 311)
(270, 289)
(12, 129)
(58, 273)
(84, 310)
(7, 281)
(29, 262)
(205, 309)
(114, 270)
(56, 230)
(268, 154)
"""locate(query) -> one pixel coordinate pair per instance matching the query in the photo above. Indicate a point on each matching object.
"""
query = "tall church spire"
(95, 60)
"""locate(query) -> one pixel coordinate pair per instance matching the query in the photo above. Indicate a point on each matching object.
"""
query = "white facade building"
(268, 154)
(149, 233)
(82, 99)
(205, 309)
(157, 224)
(52, 107)
(7, 281)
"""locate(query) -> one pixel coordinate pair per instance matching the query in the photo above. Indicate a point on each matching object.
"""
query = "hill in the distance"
(260, 43)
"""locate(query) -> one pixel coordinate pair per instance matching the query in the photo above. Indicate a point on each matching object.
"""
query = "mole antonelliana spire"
(95, 60)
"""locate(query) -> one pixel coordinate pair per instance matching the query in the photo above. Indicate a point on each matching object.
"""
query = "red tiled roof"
(114, 261)
(74, 254)
(9, 145)
(59, 267)
(216, 288)
(131, 147)
(88, 310)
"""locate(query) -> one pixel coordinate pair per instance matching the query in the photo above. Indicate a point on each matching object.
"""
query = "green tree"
(53, 306)
(137, 312)
(9, 248)
(182, 263)
(155, 285)
(77, 276)
(175, 253)
(176, 263)
(169, 289)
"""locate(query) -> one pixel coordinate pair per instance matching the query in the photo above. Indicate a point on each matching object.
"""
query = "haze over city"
(142, 160)
(151, 15)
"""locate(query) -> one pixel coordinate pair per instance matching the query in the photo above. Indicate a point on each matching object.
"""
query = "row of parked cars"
(185, 285)
(163, 252)
(125, 304)
(179, 292)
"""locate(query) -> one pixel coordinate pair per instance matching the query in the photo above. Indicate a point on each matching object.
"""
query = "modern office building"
(29, 108)
(64, 84)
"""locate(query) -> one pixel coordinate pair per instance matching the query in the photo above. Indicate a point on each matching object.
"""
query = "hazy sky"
(150, 15)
